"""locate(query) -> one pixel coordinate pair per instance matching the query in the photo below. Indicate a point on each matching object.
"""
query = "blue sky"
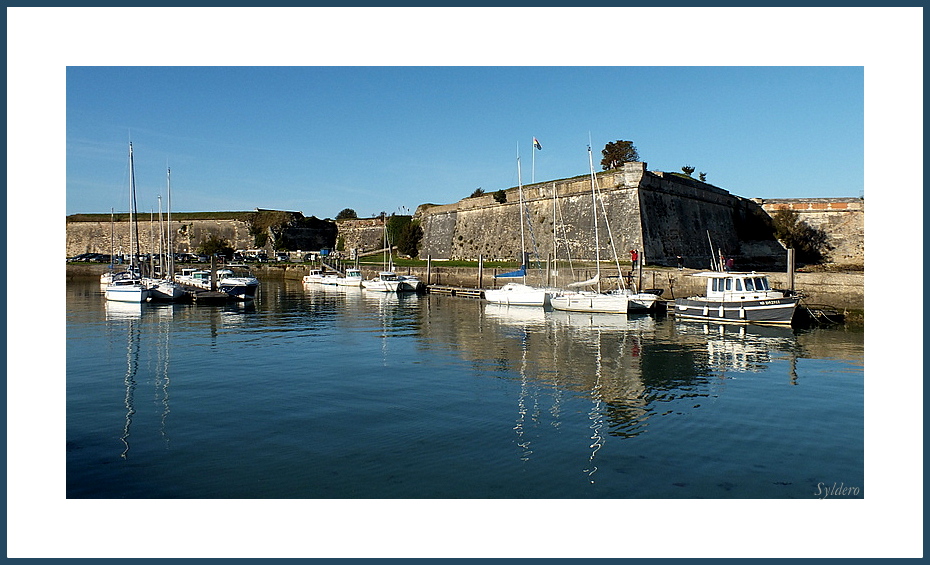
(319, 139)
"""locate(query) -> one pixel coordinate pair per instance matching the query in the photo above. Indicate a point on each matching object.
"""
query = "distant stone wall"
(186, 236)
(362, 235)
(843, 220)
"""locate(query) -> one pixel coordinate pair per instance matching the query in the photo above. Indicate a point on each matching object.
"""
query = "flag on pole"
(536, 144)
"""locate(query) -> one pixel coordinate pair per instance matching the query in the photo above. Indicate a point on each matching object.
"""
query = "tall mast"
(555, 263)
(522, 236)
(161, 240)
(112, 247)
(133, 235)
(152, 238)
(170, 249)
(597, 243)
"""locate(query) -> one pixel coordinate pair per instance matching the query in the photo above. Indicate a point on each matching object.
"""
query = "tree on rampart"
(616, 153)
(214, 245)
(688, 170)
(408, 241)
(500, 196)
(347, 214)
(271, 224)
(810, 244)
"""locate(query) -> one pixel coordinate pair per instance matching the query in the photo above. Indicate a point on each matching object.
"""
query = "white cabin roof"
(724, 274)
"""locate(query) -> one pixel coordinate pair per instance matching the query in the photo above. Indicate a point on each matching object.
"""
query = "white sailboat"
(512, 293)
(387, 280)
(129, 286)
(165, 288)
(618, 301)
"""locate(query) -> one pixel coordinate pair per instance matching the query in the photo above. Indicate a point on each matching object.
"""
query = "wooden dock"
(462, 291)
(210, 297)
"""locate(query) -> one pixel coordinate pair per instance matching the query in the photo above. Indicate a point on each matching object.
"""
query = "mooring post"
(480, 270)
(213, 272)
(429, 269)
(791, 269)
(548, 270)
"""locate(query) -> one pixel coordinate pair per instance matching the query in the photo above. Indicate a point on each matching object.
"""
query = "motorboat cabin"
(738, 297)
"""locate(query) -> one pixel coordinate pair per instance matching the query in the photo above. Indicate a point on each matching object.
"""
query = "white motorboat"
(386, 281)
(353, 277)
(165, 290)
(196, 277)
(739, 298)
(314, 276)
(409, 283)
(238, 284)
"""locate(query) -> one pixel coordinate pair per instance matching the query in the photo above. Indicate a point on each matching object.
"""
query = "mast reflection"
(131, 314)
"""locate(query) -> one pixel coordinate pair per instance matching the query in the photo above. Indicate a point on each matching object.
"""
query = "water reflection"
(630, 367)
(563, 401)
(131, 319)
(739, 348)
(127, 315)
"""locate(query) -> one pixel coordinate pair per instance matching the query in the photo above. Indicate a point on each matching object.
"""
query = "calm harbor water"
(321, 392)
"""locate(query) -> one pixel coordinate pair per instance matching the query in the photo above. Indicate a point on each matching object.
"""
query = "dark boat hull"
(239, 291)
(766, 311)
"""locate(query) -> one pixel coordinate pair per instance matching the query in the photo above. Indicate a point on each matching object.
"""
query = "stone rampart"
(362, 235)
(186, 235)
(92, 233)
(661, 215)
(842, 219)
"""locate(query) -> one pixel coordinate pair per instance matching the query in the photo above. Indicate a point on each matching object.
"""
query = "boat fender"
(721, 311)
(705, 310)
(742, 313)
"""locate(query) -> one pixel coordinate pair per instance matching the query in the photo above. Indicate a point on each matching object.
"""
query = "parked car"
(90, 258)
(282, 257)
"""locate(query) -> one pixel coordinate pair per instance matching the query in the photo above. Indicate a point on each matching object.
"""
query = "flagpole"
(534, 160)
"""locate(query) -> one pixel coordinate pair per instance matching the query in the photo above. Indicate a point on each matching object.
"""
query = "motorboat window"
(729, 284)
(762, 283)
(749, 285)
(739, 285)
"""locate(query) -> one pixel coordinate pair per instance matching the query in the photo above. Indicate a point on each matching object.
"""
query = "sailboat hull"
(127, 293)
(591, 302)
(515, 294)
(165, 290)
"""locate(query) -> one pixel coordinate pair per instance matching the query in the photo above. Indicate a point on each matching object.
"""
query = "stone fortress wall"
(662, 215)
